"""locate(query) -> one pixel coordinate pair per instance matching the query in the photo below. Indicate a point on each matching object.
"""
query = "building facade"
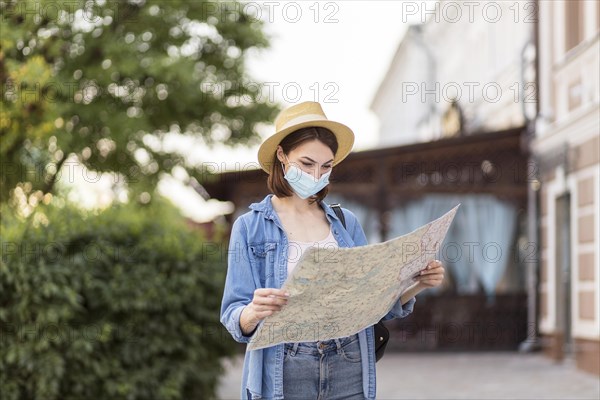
(463, 71)
(533, 64)
(458, 71)
(566, 147)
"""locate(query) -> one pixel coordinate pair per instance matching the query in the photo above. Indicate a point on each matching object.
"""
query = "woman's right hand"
(264, 303)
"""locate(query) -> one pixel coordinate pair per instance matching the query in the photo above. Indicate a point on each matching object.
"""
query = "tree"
(104, 82)
(118, 304)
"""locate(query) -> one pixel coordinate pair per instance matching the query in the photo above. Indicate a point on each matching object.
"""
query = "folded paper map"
(337, 292)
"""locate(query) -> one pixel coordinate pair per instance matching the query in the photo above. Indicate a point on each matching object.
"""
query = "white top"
(296, 249)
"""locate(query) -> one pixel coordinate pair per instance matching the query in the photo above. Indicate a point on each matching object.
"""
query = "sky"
(336, 53)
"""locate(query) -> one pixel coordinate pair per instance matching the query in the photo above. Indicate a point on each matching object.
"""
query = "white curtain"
(492, 223)
(477, 248)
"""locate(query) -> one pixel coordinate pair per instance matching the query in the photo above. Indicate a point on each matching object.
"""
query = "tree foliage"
(123, 304)
(106, 81)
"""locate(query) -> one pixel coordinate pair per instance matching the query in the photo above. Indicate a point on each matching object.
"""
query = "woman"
(265, 246)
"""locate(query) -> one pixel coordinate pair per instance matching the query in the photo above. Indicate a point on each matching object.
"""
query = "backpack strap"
(337, 209)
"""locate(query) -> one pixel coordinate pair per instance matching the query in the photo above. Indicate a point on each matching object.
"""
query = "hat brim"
(343, 134)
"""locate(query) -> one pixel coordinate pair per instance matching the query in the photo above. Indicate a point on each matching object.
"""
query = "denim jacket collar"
(266, 207)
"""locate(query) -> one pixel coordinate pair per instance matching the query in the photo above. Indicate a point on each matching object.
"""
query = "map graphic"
(337, 292)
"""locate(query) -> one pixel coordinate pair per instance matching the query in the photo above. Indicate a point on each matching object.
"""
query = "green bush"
(122, 304)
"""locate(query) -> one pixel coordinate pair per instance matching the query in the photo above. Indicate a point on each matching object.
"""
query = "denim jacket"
(257, 258)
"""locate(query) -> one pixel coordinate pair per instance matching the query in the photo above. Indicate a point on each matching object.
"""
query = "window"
(575, 95)
(598, 16)
(574, 26)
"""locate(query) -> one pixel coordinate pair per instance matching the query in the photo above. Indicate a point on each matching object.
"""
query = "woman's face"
(313, 157)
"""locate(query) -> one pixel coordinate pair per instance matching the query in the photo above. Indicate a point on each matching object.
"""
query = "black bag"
(382, 334)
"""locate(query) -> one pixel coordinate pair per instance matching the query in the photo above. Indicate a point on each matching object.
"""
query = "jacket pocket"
(262, 259)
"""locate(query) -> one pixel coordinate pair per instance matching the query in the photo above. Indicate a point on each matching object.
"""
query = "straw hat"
(302, 115)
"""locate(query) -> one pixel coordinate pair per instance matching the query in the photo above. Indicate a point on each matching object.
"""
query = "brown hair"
(276, 181)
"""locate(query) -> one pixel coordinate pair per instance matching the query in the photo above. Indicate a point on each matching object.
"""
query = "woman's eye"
(307, 164)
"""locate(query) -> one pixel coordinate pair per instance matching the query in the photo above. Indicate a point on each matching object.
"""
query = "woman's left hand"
(432, 275)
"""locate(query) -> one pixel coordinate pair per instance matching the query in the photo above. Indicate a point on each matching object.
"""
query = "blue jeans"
(327, 370)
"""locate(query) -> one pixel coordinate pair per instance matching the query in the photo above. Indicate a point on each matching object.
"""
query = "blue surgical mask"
(304, 184)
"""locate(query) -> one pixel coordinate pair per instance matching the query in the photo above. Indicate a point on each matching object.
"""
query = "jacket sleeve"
(399, 310)
(354, 228)
(239, 283)
(358, 235)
